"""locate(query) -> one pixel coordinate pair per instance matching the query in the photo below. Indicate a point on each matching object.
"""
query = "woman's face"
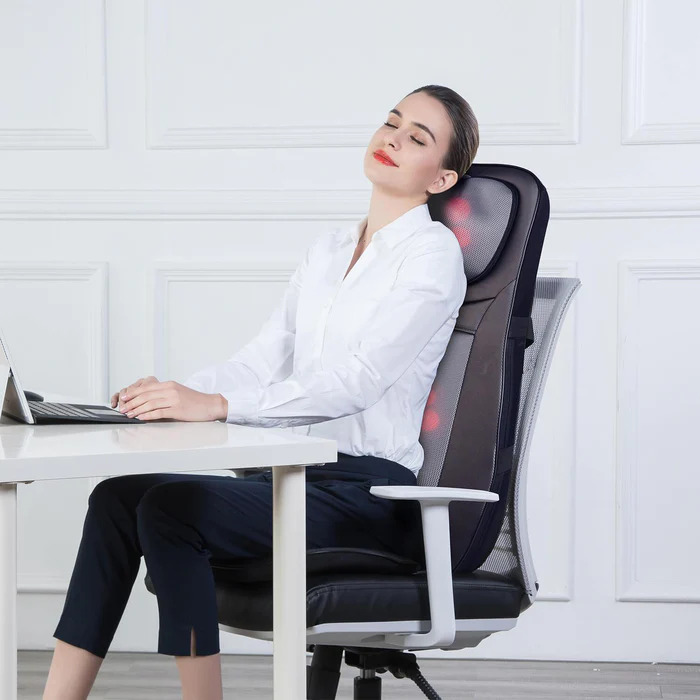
(416, 150)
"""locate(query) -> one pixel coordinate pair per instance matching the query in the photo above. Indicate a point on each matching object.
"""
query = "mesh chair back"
(511, 555)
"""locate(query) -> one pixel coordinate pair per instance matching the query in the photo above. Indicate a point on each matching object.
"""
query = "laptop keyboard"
(46, 408)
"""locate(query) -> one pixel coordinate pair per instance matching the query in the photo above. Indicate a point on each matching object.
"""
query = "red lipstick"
(382, 157)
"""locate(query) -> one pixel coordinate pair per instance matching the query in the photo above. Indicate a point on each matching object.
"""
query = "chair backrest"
(499, 214)
(511, 556)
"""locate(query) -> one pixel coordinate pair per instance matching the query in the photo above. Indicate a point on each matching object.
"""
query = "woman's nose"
(391, 144)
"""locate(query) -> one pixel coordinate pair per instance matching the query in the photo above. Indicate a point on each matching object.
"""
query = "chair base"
(323, 674)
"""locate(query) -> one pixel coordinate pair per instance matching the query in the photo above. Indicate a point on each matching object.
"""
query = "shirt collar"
(395, 231)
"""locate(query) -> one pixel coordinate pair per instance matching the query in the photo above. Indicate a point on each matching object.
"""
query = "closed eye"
(413, 137)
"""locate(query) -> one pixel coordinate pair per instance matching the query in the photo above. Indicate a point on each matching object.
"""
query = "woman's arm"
(429, 289)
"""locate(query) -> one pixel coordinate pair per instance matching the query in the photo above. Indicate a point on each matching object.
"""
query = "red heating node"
(459, 209)
(431, 418)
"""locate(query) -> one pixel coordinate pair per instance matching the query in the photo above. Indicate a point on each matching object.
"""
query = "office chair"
(473, 574)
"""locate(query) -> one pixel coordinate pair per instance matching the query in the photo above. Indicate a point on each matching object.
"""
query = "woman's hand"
(117, 397)
(149, 399)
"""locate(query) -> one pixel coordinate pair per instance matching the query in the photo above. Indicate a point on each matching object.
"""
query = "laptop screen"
(14, 403)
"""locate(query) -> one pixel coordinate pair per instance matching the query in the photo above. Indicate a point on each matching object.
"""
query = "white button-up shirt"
(352, 359)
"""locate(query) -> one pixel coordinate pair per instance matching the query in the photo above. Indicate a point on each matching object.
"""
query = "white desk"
(68, 451)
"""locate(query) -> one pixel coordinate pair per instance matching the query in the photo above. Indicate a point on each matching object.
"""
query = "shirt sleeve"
(267, 358)
(429, 289)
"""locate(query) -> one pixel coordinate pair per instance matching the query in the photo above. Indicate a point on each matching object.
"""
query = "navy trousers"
(180, 523)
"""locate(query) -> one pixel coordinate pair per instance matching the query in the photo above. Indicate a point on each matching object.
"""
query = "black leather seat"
(367, 598)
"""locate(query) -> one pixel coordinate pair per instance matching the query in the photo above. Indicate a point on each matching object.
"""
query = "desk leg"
(289, 582)
(8, 591)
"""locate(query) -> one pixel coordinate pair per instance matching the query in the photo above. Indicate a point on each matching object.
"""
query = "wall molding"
(92, 135)
(635, 128)
(565, 130)
(95, 277)
(165, 273)
(311, 205)
(630, 275)
(40, 584)
(663, 201)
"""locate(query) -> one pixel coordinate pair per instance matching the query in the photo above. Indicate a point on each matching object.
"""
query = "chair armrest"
(433, 494)
(434, 502)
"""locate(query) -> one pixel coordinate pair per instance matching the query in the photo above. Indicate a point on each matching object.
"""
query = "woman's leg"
(200, 676)
(178, 527)
(72, 673)
(106, 566)
(187, 527)
(181, 527)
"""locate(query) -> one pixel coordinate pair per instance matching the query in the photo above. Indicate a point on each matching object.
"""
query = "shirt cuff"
(242, 406)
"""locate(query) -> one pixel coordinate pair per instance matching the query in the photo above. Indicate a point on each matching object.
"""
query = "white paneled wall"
(165, 164)
(656, 471)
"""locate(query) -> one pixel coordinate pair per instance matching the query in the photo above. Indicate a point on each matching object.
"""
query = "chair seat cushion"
(356, 585)
(369, 598)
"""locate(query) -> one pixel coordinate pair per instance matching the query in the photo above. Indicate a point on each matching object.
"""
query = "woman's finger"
(115, 397)
(149, 409)
(146, 395)
(114, 401)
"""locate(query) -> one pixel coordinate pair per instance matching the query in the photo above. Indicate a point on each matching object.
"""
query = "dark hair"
(465, 128)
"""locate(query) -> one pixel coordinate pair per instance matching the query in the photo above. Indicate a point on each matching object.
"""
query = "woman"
(380, 362)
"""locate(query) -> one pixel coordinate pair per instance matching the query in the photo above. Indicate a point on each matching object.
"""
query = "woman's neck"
(384, 209)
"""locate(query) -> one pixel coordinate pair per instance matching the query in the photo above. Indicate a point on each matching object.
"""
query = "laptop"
(20, 406)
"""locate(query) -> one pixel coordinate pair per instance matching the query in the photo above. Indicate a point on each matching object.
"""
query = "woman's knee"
(170, 499)
(107, 490)
(124, 491)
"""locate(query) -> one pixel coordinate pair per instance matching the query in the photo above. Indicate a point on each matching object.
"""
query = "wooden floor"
(131, 676)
